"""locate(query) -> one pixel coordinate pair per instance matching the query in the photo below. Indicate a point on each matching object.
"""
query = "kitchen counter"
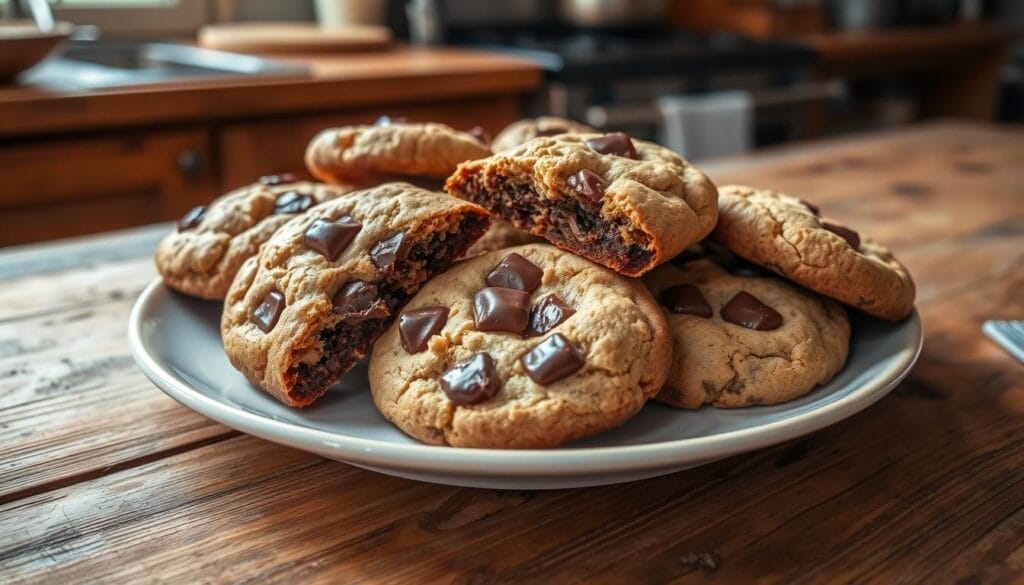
(103, 478)
(401, 75)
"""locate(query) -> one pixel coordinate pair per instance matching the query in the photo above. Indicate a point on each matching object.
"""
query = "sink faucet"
(38, 10)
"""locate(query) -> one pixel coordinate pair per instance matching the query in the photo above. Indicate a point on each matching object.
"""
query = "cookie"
(305, 309)
(526, 347)
(500, 235)
(787, 235)
(524, 131)
(200, 258)
(745, 340)
(366, 155)
(625, 204)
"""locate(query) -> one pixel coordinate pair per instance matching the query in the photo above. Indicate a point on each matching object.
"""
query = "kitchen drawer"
(251, 149)
(68, 187)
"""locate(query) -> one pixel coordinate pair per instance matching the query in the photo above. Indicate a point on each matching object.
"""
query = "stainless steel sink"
(98, 65)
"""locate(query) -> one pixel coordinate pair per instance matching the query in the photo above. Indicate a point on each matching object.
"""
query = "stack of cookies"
(556, 280)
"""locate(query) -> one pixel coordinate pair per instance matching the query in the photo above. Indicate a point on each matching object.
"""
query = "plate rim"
(533, 462)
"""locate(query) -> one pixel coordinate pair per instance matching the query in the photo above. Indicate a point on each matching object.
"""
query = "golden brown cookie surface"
(785, 234)
(745, 340)
(209, 245)
(523, 131)
(571, 349)
(625, 204)
(304, 310)
(370, 154)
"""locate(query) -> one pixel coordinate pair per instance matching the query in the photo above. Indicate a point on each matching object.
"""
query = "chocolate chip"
(686, 299)
(851, 237)
(192, 218)
(359, 301)
(501, 309)
(588, 184)
(516, 272)
(418, 326)
(471, 381)
(330, 238)
(748, 311)
(292, 202)
(387, 252)
(617, 143)
(814, 208)
(551, 360)
(480, 134)
(552, 131)
(266, 314)
(271, 180)
(385, 121)
(547, 314)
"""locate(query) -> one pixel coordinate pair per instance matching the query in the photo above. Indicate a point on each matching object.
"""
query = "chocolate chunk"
(265, 315)
(292, 202)
(470, 381)
(516, 272)
(480, 134)
(552, 131)
(851, 237)
(547, 314)
(814, 208)
(686, 299)
(385, 121)
(418, 326)
(387, 252)
(271, 180)
(588, 184)
(748, 311)
(330, 238)
(359, 301)
(501, 309)
(551, 360)
(617, 143)
(192, 218)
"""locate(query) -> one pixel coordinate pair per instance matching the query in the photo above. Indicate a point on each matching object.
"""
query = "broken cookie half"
(626, 204)
(308, 307)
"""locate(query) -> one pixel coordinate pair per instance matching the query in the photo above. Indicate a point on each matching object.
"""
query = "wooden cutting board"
(293, 37)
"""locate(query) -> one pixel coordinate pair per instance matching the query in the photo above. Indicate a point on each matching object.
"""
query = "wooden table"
(105, 479)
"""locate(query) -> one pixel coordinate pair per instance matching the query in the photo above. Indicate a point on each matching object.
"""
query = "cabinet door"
(251, 149)
(67, 187)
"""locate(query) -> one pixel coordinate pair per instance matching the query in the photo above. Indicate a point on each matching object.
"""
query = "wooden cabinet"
(254, 148)
(65, 187)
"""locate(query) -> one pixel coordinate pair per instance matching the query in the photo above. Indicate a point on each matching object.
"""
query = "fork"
(1009, 334)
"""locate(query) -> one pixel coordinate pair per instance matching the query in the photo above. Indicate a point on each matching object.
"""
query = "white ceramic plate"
(176, 342)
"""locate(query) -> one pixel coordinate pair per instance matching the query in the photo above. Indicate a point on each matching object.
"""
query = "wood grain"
(923, 487)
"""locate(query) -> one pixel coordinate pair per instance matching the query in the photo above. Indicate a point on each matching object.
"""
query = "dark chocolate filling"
(567, 221)
(345, 344)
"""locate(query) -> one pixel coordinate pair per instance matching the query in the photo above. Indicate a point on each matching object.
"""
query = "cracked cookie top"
(526, 130)
(787, 235)
(526, 347)
(626, 204)
(372, 154)
(307, 307)
(200, 258)
(742, 340)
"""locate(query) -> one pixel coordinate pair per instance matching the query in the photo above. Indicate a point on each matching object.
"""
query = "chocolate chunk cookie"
(524, 131)
(210, 243)
(626, 204)
(308, 306)
(365, 155)
(525, 347)
(745, 340)
(786, 234)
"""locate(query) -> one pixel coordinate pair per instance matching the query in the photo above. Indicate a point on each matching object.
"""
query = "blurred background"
(117, 113)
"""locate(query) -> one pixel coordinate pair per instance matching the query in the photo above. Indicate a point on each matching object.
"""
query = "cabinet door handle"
(190, 163)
